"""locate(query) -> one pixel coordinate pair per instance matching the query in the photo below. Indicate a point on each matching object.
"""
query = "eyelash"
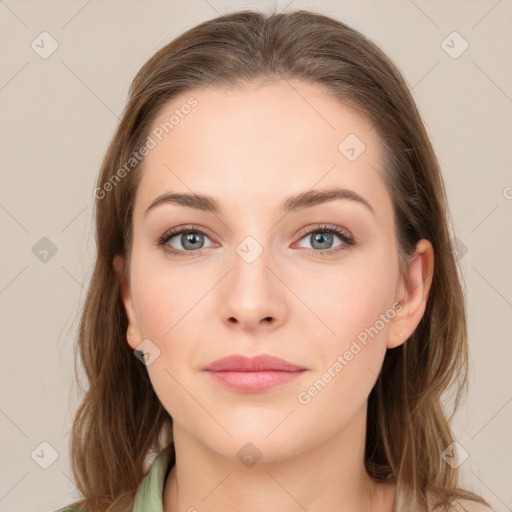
(348, 240)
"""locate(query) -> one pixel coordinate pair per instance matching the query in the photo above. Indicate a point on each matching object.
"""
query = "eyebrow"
(298, 202)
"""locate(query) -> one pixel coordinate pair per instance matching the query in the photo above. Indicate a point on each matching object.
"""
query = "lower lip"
(254, 382)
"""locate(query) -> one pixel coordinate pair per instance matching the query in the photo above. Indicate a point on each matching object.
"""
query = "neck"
(329, 477)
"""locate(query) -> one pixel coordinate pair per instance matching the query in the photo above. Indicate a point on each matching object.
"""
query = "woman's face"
(261, 275)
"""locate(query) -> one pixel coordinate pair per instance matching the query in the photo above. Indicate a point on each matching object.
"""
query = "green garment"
(149, 493)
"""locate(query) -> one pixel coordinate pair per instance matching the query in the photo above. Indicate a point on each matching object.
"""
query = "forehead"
(248, 143)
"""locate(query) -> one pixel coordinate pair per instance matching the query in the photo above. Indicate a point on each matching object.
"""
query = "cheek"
(355, 304)
(163, 297)
(351, 297)
(167, 302)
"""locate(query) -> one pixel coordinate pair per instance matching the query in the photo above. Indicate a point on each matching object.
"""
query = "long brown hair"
(121, 422)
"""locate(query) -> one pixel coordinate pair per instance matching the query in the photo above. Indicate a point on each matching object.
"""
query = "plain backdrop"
(60, 103)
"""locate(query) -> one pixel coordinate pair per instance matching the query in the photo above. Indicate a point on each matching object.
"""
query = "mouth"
(255, 374)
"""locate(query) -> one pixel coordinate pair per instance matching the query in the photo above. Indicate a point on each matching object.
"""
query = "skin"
(251, 148)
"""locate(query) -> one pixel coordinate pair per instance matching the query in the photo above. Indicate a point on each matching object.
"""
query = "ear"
(133, 335)
(412, 293)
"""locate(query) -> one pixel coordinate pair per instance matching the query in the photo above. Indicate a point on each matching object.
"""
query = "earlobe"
(413, 294)
(132, 334)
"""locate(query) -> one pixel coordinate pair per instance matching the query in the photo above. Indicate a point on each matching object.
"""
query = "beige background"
(58, 115)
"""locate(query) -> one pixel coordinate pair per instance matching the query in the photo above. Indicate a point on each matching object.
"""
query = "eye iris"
(190, 237)
(324, 238)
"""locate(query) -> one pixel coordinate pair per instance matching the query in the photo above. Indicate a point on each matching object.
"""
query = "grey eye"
(189, 240)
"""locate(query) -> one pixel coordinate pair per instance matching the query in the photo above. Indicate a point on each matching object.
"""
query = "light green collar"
(149, 493)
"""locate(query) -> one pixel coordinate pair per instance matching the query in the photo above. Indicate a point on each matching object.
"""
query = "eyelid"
(338, 230)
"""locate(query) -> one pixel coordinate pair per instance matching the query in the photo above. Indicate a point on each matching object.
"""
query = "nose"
(252, 296)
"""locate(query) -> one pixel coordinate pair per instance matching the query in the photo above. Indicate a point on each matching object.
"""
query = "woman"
(265, 313)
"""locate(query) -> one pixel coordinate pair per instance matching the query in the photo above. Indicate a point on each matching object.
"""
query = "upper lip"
(259, 363)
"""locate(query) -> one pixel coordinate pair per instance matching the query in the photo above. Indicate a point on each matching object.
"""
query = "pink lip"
(253, 374)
